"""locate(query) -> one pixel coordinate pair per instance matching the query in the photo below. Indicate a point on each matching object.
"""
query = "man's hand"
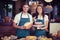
(21, 27)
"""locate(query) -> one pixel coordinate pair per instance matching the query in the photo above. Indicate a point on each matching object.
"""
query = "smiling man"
(20, 20)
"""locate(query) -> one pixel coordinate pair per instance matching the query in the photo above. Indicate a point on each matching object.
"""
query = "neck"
(40, 14)
(24, 13)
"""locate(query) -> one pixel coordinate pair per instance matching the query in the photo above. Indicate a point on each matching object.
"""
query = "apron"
(21, 33)
(39, 32)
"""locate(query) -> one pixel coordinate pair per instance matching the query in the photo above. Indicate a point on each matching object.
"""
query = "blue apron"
(39, 32)
(21, 33)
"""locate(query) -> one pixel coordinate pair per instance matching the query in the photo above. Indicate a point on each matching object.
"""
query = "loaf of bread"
(27, 25)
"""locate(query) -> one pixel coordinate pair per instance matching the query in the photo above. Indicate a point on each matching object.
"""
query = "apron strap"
(42, 19)
(22, 13)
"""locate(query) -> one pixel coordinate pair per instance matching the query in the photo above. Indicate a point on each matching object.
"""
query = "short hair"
(25, 4)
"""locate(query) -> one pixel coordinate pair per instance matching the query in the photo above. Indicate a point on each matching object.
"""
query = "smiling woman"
(41, 19)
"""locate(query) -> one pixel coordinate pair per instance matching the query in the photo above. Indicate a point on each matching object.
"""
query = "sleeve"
(46, 18)
(17, 19)
(31, 19)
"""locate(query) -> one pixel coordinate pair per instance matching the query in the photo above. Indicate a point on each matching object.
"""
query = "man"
(20, 20)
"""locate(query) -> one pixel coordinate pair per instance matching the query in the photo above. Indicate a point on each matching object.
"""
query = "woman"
(21, 20)
(41, 22)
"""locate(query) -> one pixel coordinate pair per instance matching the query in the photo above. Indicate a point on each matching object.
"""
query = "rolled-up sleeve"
(46, 18)
(17, 19)
(31, 19)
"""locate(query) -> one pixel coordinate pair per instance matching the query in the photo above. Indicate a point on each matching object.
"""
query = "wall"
(18, 5)
(54, 27)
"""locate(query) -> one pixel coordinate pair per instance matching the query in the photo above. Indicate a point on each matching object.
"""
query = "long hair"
(42, 10)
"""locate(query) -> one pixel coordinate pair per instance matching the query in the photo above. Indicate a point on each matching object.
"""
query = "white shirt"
(17, 17)
(45, 18)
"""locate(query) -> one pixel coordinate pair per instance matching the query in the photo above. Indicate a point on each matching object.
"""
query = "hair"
(42, 10)
(25, 4)
(21, 9)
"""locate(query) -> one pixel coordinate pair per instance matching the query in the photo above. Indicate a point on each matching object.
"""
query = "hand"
(36, 25)
(22, 27)
(44, 28)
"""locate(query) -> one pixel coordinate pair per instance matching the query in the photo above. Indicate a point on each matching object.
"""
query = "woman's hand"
(37, 26)
(44, 28)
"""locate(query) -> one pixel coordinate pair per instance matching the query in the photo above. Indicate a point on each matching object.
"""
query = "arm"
(31, 19)
(46, 22)
(46, 26)
(16, 26)
(16, 22)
